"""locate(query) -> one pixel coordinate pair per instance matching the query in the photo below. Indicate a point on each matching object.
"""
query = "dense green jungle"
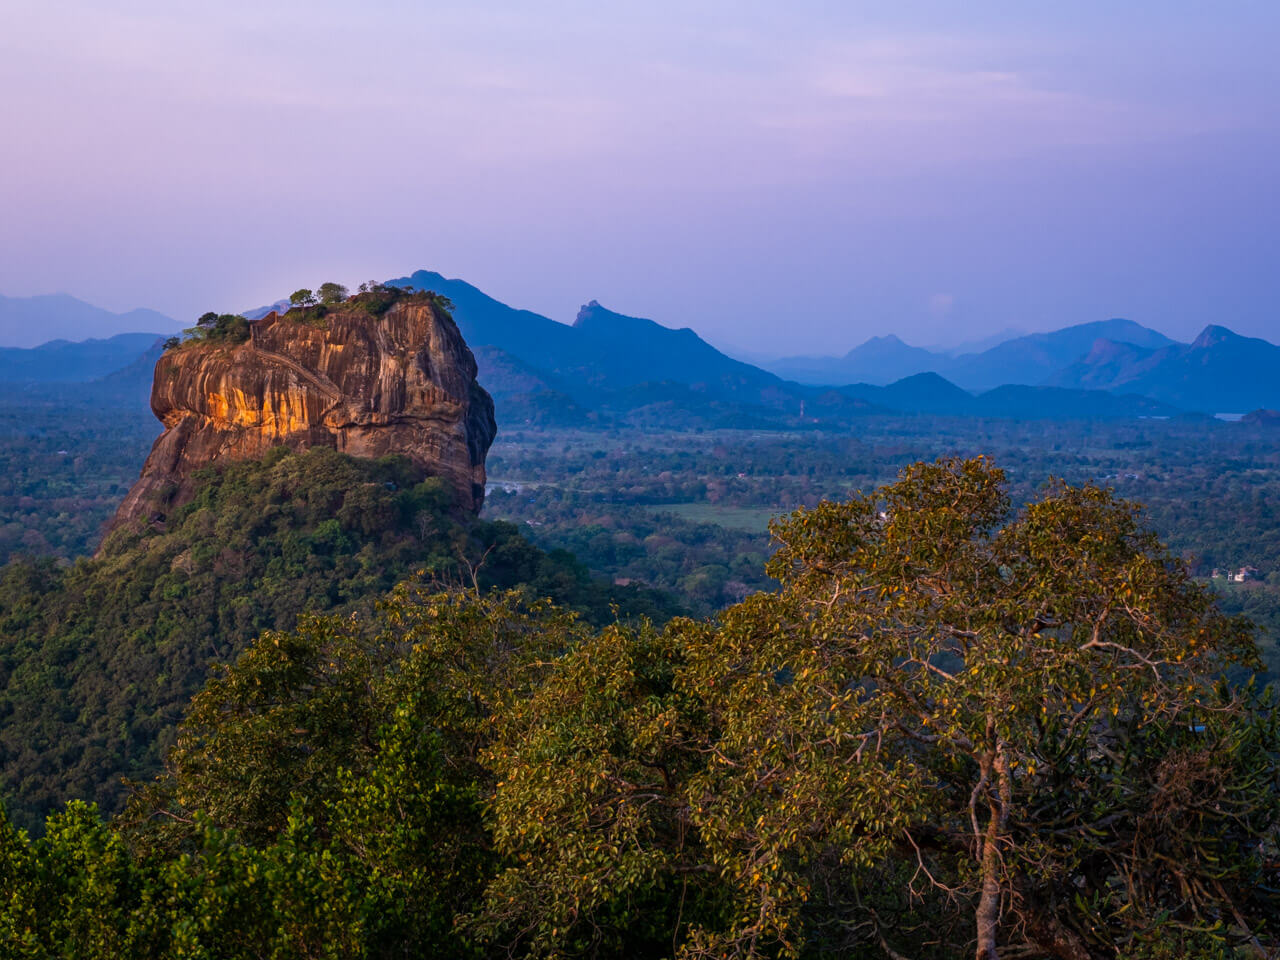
(101, 656)
(321, 714)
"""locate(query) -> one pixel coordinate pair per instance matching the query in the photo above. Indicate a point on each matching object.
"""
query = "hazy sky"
(783, 177)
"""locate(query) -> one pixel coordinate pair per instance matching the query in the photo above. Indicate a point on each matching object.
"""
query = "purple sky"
(784, 178)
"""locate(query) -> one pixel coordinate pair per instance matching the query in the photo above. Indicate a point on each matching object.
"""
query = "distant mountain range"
(1035, 358)
(610, 367)
(61, 361)
(609, 364)
(1219, 371)
(604, 360)
(978, 344)
(1028, 359)
(932, 394)
(30, 321)
(878, 361)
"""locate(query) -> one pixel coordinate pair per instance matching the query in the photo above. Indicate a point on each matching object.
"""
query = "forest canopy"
(954, 730)
(99, 659)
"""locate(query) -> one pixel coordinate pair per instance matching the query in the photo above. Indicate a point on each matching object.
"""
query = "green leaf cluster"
(214, 328)
(372, 298)
(953, 729)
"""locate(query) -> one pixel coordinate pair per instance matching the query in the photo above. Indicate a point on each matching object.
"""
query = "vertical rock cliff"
(367, 384)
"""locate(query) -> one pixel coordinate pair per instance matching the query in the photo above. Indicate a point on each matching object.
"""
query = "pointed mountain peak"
(439, 283)
(889, 345)
(1213, 335)
(589, 311)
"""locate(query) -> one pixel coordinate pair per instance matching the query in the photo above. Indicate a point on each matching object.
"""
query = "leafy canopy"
(956, 730)
(217, 328)
(1004, 727)
(100, 659)
(332, 293)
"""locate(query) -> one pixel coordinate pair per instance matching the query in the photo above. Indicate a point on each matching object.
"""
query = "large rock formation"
(400, 382)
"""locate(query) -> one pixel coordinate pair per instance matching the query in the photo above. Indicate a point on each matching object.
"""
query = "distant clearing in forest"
(748, 519)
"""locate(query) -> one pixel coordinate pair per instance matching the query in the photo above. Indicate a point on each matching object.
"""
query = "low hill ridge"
(31, 321)
(1028, 359)
(65, 361)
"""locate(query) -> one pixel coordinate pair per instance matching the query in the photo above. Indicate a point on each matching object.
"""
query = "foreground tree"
(324, 798)
(951, 725)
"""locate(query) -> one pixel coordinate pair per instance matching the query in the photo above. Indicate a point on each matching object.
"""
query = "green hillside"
(98, 659)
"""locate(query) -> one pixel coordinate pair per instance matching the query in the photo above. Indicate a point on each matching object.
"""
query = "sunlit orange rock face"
(403, 382)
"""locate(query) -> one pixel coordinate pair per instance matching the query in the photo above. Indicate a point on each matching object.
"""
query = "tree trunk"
(988, 911)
